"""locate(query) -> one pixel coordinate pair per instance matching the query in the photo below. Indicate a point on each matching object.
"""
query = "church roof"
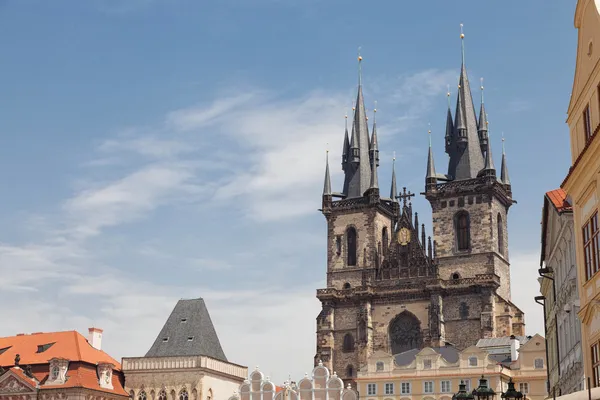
(188, 331)
(449, 353)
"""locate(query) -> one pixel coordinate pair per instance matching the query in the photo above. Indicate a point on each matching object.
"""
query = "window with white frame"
(539, 363)
(524, 387)
(371, 389)
(405, 388)
(428, 387)
(446, 386)
(389, 388)
(472, 361)
(467, 383)
(427, 364)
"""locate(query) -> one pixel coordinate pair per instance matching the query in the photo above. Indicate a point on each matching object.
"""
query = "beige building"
(435, 373)
(321, 385)
(186, 361)
(581, 183)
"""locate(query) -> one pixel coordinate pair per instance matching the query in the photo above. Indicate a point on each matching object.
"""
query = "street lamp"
(484, 392)
(462, 393)
(511, 393)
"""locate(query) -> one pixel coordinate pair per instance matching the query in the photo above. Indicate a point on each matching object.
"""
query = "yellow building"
(581, 184)
(435, 373)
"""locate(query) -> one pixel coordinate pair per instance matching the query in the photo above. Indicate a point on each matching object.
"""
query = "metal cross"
(405, 195)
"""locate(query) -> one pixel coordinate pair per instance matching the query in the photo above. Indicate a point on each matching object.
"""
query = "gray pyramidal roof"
(189, 331)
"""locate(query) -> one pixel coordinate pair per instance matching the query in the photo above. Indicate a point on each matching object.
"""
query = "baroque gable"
(10, 383)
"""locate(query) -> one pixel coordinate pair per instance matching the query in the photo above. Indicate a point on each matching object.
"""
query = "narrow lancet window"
(351, 246)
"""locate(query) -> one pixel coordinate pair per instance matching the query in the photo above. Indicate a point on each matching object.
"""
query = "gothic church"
(391, 288)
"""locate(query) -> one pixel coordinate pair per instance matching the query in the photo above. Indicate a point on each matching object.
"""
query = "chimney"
(95, 338)
(514, 346)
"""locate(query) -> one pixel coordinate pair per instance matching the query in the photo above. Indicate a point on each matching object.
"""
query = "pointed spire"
(466, 158)
(504, 167)
(374, 181)
(374, 147)
(488, 169)
(327, 183)
(417, 224)
(449, 126)
(393, 189)
(423, 243)
(429, 248)
(346, 148)
(360, 172)
(430, 178)
(482, 126)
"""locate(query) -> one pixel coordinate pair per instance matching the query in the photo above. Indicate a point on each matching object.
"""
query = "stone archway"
(405, 333)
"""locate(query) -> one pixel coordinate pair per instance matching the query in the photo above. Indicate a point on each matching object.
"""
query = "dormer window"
(105, 375)
(190, 338)
(472, 361)
(57, 375)
(427, 364)
(183, 320)
(165, 339)
(43, 347)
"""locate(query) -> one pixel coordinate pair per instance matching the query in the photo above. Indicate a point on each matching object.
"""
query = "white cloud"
(524, 288)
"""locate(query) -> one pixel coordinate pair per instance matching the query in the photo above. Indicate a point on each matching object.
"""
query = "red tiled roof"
(558, 198)
(70, 345)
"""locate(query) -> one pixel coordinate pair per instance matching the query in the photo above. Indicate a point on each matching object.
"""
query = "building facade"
(319, 386)
(581, 183)
(558, 285)
(58, 365)
(186, 361)
(392, 288)
(435, 373)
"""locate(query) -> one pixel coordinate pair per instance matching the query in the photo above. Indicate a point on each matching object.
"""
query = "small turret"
(449, 137)
(327, 195)
(430, 178)
(393, 189)
(374, 147)
(417, 224)
(423, 243)
(488, 168)
(429, 248)
(346, 148)
(504, 168)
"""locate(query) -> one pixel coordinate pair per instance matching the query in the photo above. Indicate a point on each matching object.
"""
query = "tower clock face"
(404, 236)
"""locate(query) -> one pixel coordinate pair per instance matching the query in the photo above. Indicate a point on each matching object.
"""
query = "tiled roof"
(70, 345)
(500, 341)
(558, 198)
(188, 331)
(449, 353)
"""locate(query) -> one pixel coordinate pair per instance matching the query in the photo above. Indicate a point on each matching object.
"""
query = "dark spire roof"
(327, 184)
(482, 125)
(466, 158)
(359, 173)
(504, 167)
(188, 331)
(393, 189)
(346, 148)
(374, 182)
(489, 168)
(373, 146)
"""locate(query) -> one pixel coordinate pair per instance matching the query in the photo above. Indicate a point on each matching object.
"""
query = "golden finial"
(394, 157)
(462, 35)
(327, 147)
(359, 67)
(448, 92)
(359, 56)
(462, 44)
(429, 133)
(502, 142)
(353, 108)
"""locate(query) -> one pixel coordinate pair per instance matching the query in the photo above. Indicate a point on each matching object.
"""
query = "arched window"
(183, 395)
(162, 395)
(349, 371)
(405, 333)
(455, 276)
(348, 342)
(351, 246)
(386, 240)
(461, 227)
(55, 373)
(500, 235)
(347, 285)
(142, 395)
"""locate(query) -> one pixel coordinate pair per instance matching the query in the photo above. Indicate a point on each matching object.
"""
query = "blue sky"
(158, 149)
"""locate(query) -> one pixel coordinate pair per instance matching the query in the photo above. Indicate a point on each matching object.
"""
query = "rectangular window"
(472, 361)
(467, 383)
(524, 387)
(427, 364)
(587, 123)
(428, 387)
(389, 388)
(405, 387)
(595, 365)
(446, 388)
(371, 389)
(591, 246)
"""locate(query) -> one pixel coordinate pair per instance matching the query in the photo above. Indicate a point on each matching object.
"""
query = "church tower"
(390, 288)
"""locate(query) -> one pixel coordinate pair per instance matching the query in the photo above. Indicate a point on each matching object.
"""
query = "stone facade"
(181, 378)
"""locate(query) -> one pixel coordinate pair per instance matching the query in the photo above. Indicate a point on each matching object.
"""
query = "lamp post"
(484, 392)
(462, 393)
(511, 393)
